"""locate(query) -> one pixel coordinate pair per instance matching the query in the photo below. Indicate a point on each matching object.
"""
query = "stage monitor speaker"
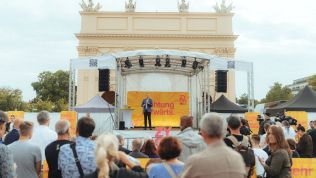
(104, 80)
(122, 125)
(221, 81)
(109, 96)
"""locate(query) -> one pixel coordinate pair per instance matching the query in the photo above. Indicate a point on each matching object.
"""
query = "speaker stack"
(221, 81)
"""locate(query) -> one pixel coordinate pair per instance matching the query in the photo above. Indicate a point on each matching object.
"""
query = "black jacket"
(136, 172)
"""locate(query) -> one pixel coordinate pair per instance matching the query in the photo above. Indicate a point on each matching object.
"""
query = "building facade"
(111, 32)
(298, 84)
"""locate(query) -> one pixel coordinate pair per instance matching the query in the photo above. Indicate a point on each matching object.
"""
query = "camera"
(281, 118)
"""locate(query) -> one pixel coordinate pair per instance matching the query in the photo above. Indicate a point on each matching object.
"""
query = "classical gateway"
(111, 32)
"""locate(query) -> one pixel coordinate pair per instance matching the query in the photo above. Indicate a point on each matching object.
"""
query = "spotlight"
(141, 61)
(195, 64)
(128, 63)
(184, 62)
(157, 62)
(167, 62)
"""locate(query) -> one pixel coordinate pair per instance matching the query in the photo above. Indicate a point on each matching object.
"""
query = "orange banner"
(15, 114)
(252, 120)
(167, 108)
(304, 168)
(71, 116)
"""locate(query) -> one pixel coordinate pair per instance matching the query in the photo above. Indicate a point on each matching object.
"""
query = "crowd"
(222, 148)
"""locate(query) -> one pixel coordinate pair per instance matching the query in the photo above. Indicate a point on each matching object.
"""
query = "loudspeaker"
(109, 96)
(122, 125)
(221, 81)
(104, 80)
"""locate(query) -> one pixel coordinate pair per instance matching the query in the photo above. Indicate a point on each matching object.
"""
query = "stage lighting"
(195, 64)
(184, 62)
(128, 63)
(167, 62)
(141, 61)
(157, 62)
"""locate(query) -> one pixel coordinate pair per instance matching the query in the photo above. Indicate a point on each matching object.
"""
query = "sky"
(277, 36)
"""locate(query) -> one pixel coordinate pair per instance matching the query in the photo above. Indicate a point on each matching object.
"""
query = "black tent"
(305, 100)
(224, 105)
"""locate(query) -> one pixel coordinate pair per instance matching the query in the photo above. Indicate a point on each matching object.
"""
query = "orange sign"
(300, 116)
(71, 116)
(16, 115)
(304, 168)
(167, 108)
(252, 120)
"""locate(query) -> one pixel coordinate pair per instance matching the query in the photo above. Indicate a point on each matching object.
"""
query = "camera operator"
(262, 122)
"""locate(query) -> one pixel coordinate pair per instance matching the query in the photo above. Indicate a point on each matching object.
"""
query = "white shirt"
(263, 142)
(42, 136)
(289, 133)
(259, 153)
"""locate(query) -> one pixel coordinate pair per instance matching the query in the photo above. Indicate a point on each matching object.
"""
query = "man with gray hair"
(136, 146)
(43, 135)
(52, 150)
(217, 160)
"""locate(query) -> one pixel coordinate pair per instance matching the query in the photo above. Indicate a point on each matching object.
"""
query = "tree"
(51, 91)
(11, 99)
(312, 82)
(278, 92)
(243, 99)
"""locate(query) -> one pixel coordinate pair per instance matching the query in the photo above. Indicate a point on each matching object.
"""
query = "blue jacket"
(12, 136)
(149, 105)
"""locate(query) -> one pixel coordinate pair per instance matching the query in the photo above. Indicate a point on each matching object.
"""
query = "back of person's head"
(280, 142)
(305, 145)
(169, 148)
(120, 138)
(136, 144)
(26, 128)
(43, 117)
(85, 127)
(3, 121)
(62, 127)
(286, 124)
(244, 121)
(105, 153)
(291, 143)
(266, 126)
(300, 128)
(17, 123)
(149, 147)
(213, 125)
(185, 122)
(255, 138)
(233, 122)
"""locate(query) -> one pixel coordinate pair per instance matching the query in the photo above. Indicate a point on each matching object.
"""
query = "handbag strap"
(170, 171)
(73, 148)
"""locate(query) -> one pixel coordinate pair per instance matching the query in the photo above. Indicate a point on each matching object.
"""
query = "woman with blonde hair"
(279, 162)
(106, 153)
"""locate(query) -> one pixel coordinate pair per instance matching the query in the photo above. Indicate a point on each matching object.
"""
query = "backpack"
(246, 152)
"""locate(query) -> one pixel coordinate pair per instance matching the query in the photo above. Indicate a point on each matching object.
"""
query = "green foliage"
(278, 92)
(243, 99)
(11, 99)
(51, 91)
(312, 82)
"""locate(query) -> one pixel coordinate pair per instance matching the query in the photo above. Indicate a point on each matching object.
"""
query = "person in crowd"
(312, 126)
(300, 131)
(312, 133)
(52, 150)
(136, 147)
(191, 141)
(121, 144)
(149, 148)
(259, 153)
(217, 160)
(263, 141)
(10, 124)
(106, 153)
(169, 149)
(261, 124)
(244, 129)
(14, 134)
(292, 145)
(43, 135)
(305, 146)
(82, 149)
(278, 164)
(6, 157)
(289, 132)
(234, 125)
(27, 156)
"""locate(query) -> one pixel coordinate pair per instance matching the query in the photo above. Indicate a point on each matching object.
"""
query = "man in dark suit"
(147, 103)
(14, 134)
